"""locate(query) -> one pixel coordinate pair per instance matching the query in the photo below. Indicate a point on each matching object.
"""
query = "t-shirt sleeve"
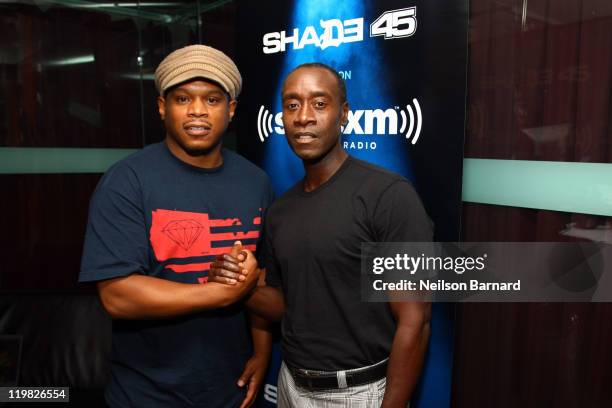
(399, 215)
(273, 276)
(116, 238)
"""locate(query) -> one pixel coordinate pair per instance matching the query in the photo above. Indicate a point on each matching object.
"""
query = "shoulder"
(143, 157)
(375, 179)
(244, 166)
(140, 160)
(373, 171)
(127, 173)
(384, 192)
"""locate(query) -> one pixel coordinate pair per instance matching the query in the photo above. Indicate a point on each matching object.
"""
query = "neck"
(208, 159)
(319, 171)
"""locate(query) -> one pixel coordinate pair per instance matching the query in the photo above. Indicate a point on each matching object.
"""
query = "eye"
(182, 99)
(291, 105)
(212, 100)
(320, 104)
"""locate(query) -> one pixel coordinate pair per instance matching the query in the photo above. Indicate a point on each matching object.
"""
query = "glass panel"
(79, 74)
(63, 76)
(539, 80)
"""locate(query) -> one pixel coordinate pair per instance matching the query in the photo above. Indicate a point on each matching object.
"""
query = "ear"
(232, 108)
(345, 111)
(161, 107)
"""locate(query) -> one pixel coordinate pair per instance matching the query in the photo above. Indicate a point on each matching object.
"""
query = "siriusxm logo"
(391, 121)
(335, 32)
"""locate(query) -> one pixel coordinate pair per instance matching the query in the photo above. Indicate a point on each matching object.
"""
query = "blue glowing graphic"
(366, 88)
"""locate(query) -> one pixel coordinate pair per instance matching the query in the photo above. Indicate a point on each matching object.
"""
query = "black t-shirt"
(155, 215)
(312, 247)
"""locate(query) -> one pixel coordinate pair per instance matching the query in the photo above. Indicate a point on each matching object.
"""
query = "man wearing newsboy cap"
(156, 221)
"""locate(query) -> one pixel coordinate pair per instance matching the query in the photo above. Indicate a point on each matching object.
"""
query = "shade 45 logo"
(335, 32)
(406, 121)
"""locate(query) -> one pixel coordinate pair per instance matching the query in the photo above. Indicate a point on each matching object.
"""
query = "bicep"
(411, 313)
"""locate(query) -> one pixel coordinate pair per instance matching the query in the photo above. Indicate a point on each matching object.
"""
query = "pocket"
(381, 385)
(377, 391)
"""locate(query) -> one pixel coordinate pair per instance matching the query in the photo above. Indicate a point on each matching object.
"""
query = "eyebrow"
(315, 94)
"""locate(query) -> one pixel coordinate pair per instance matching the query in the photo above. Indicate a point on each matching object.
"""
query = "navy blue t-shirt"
(154, 215)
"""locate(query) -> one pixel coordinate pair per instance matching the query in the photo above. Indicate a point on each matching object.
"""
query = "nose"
(198, 108)
(305, 115)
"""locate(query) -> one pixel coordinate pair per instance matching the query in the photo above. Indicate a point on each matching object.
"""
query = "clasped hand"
(239, 267)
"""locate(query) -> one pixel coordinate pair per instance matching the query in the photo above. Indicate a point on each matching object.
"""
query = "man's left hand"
(252, 377)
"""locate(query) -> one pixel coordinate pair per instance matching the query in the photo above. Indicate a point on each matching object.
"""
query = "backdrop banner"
(404, 63)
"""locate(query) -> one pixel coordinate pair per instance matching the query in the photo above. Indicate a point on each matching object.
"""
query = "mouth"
(197, 128)
(304, 137)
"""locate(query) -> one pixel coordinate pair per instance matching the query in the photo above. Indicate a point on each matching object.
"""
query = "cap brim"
(195, 74)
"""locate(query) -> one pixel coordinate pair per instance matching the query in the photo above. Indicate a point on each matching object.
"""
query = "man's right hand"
(233, 268)
(244, 262)
(237, 270)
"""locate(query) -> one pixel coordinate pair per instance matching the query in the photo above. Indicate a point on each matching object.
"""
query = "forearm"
(146, 297)
(406, 361)
(267, 302)
(262, 336)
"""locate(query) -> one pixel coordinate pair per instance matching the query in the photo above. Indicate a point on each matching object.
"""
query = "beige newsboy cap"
(198, 61)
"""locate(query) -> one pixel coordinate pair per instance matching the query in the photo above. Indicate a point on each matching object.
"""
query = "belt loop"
(341, 377)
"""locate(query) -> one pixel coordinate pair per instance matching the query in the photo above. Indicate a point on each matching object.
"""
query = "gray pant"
(291, 395)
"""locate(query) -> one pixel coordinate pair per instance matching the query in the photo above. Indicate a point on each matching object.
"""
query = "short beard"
(191, 151)
(202, 152)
